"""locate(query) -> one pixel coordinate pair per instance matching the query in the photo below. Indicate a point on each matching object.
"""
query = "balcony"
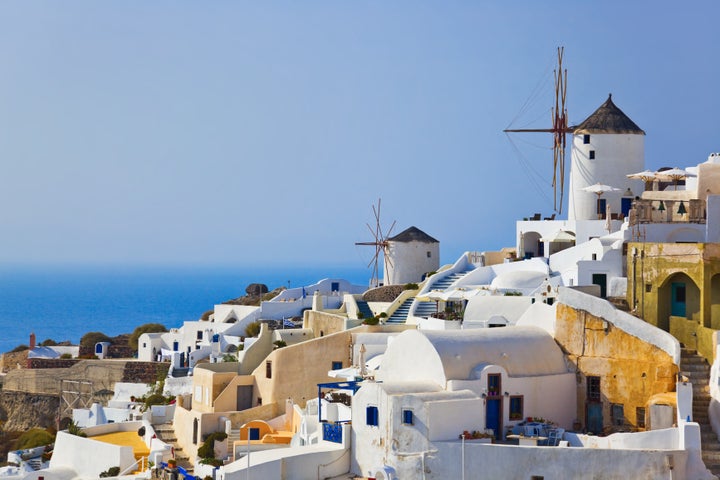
(667, 211)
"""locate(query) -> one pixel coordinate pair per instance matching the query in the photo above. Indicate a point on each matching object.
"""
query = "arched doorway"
(677, 297)
(531, 245)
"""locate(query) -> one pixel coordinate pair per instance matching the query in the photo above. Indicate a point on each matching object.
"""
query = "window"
(335, 286)
(407, 417)
(593, 389)
(268, 369)
(199, 335)
(618, 414)
(586, 139)
(336, 365)
(648, 287)
(591, 154)
(144, 345)
(516, 407)
(429, 255)
(640, 417)
(371, 416)
(494, 384)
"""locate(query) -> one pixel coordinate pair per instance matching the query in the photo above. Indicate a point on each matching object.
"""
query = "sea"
(65, 302)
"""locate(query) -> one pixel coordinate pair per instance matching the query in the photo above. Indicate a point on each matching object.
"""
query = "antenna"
(559, 130)
(380, 243)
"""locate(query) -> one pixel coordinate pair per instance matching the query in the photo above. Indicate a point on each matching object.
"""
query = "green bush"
(73, 429)
(49, 342)
(382, 315)
(207, 449)
(91, 338)
(35, 437)
(371, 321)
(253, 330)
(229, 358)
(410, 286)
(280, 344)
(110, 472)
(66, 356)
(146, 328)
(206, 316)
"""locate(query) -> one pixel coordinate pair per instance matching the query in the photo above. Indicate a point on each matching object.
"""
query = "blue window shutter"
(408, 417)
(371, 416)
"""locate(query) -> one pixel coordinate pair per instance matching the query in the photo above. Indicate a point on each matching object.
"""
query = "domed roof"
(519, 279)
(608, 118)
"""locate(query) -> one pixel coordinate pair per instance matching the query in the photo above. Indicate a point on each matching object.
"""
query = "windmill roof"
(608, 118)
(413, 234)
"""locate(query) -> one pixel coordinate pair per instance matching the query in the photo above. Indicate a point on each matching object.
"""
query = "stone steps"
(697, 370)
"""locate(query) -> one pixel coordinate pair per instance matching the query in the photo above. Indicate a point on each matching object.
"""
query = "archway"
(678, 296)
(532, 246)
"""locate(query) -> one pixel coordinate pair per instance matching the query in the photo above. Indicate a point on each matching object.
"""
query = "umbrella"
(559, 236)
(645, 176)
(599, 189)
(674, 174)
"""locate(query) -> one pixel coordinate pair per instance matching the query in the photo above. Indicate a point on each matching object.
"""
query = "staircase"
(697, 370)
(364, 309)
(233, 436)
(166, 433)
(400, 315)
(445, 282)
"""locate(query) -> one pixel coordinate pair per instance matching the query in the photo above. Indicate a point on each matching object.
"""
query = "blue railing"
(181, 470)
(332, 432)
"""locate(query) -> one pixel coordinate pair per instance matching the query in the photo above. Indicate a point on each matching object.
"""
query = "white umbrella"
(674, 174)
(599, 189)
(559, 236)
(645, 176)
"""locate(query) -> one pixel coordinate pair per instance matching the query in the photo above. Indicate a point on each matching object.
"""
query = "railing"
(668, 211)
(332, 432)
(179, 469)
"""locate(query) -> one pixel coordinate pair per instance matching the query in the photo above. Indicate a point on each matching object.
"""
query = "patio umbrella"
(559, 236)
(645, 176)
(598, 189)
(674, 174)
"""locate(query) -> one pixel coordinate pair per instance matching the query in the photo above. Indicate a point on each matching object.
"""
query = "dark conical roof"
(413, 234)
(608, 119)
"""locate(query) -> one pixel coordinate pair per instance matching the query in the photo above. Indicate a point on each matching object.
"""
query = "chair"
(551, 217)
(536, 217)
(532, 431)
(555, 436)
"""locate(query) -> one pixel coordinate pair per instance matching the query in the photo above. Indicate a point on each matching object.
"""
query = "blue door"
(625, 205)
(677, 299)
(594, 421)
(493, 417)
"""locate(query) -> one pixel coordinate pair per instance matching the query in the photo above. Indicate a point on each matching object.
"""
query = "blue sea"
(64, 303)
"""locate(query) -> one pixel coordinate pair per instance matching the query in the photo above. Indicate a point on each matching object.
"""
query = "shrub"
(110, 472)
(73, 429)
(206, 316)
(513, 294)
(49, 342)
(410, 286)
(91, 338)
(20, 348)
(280, 344)
(66, 356)
(382, 315)
(360, 315)
(371, 321)
(34, 437)
(229, 358)
(207, 449)
(146, 328)
(253, 329)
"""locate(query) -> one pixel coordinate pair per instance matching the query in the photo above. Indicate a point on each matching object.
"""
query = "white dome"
(518, 280)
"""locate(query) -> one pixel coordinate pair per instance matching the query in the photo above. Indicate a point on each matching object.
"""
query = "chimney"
(32, 340)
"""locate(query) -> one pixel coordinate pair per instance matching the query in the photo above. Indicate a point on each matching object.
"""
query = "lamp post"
(462, 457)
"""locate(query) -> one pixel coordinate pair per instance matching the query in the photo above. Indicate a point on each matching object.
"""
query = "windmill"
(559, 130)
(380, 243)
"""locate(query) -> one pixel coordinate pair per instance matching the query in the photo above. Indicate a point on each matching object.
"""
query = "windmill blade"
(389, 232)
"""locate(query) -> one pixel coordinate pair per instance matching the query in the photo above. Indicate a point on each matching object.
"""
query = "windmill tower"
(380, 243)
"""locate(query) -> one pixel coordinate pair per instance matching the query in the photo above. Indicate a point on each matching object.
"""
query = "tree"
(146, 328)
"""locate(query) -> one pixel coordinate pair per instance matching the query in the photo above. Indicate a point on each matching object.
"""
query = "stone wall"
(631, 368)
(51, 362)
(22, 411)
(145, 372)
(13, 360)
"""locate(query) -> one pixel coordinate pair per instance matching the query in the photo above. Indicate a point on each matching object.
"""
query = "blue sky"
(242, 133)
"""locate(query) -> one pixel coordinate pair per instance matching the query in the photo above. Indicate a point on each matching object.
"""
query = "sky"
(251, 133)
